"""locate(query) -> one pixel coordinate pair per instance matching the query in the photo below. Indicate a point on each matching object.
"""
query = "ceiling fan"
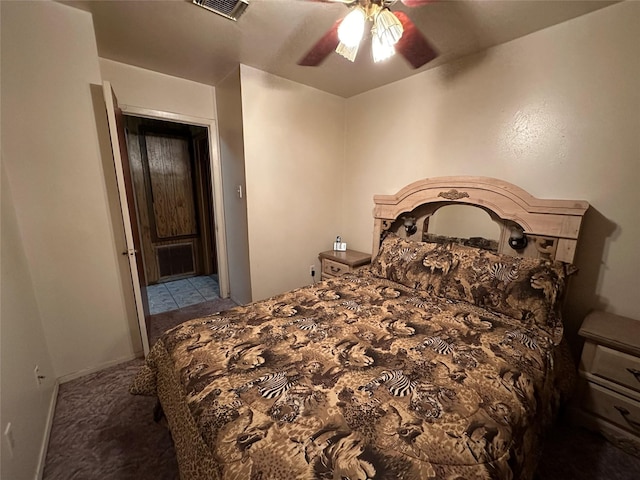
(391, 32)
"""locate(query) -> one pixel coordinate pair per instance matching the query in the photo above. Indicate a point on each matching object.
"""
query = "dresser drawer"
(619, 367)
(333, 269)
(613, 407)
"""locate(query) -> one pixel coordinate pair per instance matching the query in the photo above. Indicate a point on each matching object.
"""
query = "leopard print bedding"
(356, 377)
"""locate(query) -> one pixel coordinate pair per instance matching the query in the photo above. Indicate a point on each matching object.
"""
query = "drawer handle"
(334, 269)
(626, 415)
(634, 372)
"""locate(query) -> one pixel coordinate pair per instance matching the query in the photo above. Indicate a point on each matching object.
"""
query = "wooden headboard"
(551, 226)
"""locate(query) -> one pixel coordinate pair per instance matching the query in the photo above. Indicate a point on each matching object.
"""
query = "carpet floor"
(101, 432)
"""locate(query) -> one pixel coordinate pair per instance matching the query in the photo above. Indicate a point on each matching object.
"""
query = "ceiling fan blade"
(413, 45)
(322, 48)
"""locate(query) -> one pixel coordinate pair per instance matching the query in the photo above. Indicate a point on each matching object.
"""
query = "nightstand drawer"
(335, 263)
(331, 268)
(617, 409)
(610, 393)
(612, 365)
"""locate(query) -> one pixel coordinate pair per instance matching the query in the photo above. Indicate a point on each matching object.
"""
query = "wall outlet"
(8, 438)
(312, 270)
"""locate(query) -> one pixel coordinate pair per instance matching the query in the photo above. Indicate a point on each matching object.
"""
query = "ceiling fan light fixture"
(348, 52)
(351, 28)
(388, 27)
(379, 50)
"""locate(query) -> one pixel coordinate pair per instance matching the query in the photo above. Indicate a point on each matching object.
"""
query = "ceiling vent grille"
(231, 9)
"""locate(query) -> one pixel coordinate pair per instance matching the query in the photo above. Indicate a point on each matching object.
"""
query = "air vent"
(231, 9)
(174, 260)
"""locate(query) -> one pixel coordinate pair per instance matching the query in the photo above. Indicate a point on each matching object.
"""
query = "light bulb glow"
(388, 27)
(352, 27)
(379, 50)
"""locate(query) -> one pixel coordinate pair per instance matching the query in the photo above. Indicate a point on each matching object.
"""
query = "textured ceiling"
(181, 39)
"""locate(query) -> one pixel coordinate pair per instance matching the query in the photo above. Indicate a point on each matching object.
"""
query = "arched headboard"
(553, 225)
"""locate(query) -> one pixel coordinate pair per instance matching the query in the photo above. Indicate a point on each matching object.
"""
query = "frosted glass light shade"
(388, 27)
(348, 52)
(352, 27)
(379, 50)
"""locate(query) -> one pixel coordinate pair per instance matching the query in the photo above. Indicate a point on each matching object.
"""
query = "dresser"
(334, 263)
(609, 389)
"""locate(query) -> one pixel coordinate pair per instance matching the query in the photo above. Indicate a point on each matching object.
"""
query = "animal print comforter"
(356, 378)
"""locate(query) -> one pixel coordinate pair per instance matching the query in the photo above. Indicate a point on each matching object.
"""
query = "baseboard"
(47, 432)
(235, 300)
(54, 399)
(97, 368)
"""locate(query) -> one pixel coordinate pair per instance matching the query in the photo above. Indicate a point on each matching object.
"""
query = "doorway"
(171, 179)
(115, 122)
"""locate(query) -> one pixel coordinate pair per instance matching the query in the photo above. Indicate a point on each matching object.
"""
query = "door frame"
(216, 181)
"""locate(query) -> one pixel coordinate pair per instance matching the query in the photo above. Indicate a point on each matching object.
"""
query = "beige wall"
(54, 168)
(231, 141)
(23, 346)
(556, 112)
(62, 298)
(293, 142)
(143, 88)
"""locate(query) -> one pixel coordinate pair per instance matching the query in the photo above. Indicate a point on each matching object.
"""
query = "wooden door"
(127, 204)
(168, 164)
(167, 192)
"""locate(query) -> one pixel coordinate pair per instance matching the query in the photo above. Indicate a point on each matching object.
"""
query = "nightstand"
(609, 392)
(334, 263)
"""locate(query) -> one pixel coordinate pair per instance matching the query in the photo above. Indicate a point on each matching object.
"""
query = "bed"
(439, 360)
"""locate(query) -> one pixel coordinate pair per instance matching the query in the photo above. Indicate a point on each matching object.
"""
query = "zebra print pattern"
(416, 301)
(271, 385)
(523, 338)
(504, 272)
(304, 323)
(439, 345)
(351, 305)
(398, 384)
(406, 254)
(218, 324)
(274, 384)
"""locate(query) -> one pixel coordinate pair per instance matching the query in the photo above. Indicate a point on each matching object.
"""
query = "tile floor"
(182, 293)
